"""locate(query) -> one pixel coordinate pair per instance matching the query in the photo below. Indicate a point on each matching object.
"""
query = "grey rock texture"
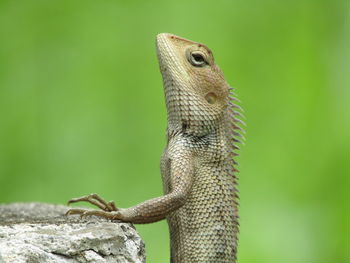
(37, 232)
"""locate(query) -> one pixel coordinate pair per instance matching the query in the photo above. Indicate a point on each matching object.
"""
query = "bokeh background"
(82, 111)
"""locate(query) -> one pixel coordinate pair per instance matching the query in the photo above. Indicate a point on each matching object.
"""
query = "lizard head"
(196, 92)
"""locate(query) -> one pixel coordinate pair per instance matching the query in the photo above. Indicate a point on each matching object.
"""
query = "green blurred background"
(82, 111)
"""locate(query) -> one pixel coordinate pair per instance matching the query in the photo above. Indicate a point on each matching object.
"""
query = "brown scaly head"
(197, 95)
(195, 89)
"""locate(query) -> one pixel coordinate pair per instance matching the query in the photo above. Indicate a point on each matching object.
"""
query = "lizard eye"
(196, 58)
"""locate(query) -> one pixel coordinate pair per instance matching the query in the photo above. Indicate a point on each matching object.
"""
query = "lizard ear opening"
(211, 97)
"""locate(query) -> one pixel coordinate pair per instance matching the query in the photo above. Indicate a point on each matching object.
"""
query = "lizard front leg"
(181, 178)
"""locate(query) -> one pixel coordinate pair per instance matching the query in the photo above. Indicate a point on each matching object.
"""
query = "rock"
(37, 232)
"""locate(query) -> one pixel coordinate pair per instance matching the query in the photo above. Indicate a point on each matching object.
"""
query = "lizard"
(200, 200)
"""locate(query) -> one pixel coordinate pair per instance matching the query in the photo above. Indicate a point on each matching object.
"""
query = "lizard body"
(200, 198)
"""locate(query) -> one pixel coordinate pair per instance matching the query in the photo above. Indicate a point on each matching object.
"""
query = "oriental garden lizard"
(200, 200)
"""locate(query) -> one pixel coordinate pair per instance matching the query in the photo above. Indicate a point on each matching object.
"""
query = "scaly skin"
(200, 198)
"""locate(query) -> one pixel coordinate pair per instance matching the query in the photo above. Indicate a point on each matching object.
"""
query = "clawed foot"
(110, 211)
(96, 200)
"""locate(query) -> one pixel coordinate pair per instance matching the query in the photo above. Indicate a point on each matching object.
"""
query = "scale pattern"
(205, 228)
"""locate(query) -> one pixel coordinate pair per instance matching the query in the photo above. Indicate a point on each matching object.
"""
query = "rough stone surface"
(37, 232)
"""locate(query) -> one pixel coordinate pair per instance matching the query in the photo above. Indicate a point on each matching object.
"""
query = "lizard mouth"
(164, 50)
(170, 57)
